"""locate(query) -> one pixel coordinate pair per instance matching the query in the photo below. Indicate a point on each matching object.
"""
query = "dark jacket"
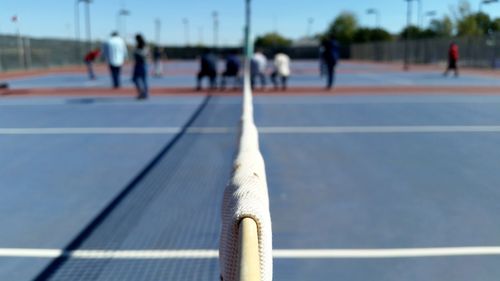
(331, 51)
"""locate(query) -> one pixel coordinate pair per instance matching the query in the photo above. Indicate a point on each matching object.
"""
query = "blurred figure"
(89, 60)
(208, 68)
(330, 57)
(281, 70)
(258, 67)
(115, 53)
(157, 56)
(322, 64)
(232, 70)
(140, 67)
(453, 55)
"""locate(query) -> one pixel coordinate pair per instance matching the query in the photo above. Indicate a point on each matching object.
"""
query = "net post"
(249, 251)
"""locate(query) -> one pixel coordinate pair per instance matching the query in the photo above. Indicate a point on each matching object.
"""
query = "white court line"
(278, 254)
(378, 129)
(262, 130)
(115, 131)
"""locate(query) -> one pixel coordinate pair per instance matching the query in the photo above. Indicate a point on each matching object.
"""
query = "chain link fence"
(480, 51)
(19, 52)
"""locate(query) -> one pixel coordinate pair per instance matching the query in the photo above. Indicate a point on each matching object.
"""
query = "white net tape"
(246, 196)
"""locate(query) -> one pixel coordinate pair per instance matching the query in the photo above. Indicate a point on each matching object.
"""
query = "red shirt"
(453, 52)
(91, 56)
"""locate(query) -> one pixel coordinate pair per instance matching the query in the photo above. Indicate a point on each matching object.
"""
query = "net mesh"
(246, 196)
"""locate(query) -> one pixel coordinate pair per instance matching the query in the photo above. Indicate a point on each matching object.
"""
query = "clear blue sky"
(55, 18)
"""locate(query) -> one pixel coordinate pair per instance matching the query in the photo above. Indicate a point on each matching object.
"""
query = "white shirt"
(261, 62)
(282, 64)
(115, 51)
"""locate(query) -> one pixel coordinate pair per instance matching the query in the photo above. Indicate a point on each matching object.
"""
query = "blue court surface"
(358, 173)
(304, 74)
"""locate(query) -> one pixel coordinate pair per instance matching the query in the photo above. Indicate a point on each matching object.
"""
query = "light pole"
(215, 16)
(430, 15)
(87, 19)
(121, 22)
(407, 36)
(420, 17)
(310, 22)
(375, 12)
(158, 31)
(486, 2)
(185, 21)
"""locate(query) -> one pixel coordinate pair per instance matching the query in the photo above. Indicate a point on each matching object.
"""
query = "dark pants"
(115, 75)
(262, 78)
(140, 80)
(90, 69)
(452, 65)
(274, 79)
(330, 71)
(226, 75)
(212, 76)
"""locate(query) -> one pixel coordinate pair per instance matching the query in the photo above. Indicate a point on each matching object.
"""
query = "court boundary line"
(262, 130)
(277, 253)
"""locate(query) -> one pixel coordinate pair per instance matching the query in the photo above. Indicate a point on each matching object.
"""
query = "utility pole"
(121, 23)
(89, 30)
(407, 37)
(185, 21)
(215, 16)
(375, 12)
(310, 22)
(158, 31)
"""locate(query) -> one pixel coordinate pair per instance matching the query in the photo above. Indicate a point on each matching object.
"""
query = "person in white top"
(115, 53)
(281, 69)
(258, 68)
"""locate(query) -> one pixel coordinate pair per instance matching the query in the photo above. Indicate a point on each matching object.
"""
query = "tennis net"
(246, 199)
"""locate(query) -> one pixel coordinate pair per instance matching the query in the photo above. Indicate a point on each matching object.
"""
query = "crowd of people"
(115, 53)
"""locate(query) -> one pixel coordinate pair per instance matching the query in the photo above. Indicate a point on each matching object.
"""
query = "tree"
(483, 21)
(466, 21)
(343, 27)
(412, 32)
(272, 40)
(442, 28)
(495, 25)
(363, 35)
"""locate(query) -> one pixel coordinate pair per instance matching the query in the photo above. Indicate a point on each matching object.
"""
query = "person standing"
(330, 57)
(233, 66)
(453, 55)
(115, 53)
(281, 70)
(140, 67)
(208, 68)
(258, 67)
(89, 59)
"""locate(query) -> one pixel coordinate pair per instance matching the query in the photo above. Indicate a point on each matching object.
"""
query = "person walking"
(281, 70)
(140, 67)
(233, 66)
(330, 57)
(208, 68)
(89, 60)
(258, 66)
(115, 53)
(453, 55)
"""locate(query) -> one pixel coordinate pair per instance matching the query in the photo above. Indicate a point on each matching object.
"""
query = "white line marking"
(378, 129)
(262, 130)
(278, 254)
